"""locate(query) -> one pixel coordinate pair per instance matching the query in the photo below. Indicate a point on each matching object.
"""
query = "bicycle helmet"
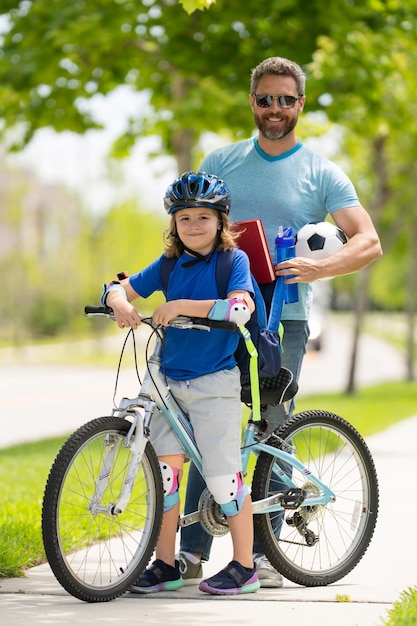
(197, 189)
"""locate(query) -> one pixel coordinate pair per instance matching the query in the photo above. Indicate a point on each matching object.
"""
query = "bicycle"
(103, 500)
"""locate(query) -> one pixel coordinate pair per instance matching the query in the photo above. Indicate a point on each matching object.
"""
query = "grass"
(372, 409)
(24, 468)
(404, 611)
(23, 474)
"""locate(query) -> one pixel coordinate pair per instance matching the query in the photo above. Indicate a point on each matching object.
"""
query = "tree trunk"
(182, 142)
(361, 305)
(183, 139)
(411, 301)
(361, 297)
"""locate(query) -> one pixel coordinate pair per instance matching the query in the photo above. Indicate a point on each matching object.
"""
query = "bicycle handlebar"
(182, 321)
(99, 311)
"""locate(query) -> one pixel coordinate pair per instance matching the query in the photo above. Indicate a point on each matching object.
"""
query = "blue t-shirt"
(292, 189)
(192, 353)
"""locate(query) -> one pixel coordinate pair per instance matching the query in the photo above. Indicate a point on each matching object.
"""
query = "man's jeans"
(193, 538)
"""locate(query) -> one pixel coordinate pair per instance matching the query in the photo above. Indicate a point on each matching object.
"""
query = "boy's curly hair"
(226, 237)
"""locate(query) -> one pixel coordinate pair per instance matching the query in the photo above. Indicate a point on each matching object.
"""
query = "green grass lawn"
(24, 468)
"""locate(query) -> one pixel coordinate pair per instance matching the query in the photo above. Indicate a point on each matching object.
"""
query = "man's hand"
(301, 270)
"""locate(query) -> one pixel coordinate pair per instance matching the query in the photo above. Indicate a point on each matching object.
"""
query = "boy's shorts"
(213, 405)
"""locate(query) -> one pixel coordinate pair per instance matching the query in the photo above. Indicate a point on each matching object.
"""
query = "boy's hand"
(166, 312)
(125, 313)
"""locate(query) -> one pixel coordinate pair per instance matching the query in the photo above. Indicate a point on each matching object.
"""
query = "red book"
(252, 240)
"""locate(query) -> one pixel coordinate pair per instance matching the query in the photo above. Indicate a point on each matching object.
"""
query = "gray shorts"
(213, 405)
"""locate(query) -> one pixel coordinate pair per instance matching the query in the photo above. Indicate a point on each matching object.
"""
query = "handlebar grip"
(98, 311)
(222, 325)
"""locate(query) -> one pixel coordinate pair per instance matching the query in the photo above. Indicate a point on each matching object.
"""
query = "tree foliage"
(56, 55)
(194, 5)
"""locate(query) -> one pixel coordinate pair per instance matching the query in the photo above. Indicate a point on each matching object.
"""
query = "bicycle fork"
(136, 442)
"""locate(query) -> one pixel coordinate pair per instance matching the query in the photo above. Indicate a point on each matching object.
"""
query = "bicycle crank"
(212, 519)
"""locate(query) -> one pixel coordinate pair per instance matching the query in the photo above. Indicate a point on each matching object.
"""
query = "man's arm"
(363, 247)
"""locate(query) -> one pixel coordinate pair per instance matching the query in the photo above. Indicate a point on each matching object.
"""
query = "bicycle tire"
(340, 532)
(97, 556)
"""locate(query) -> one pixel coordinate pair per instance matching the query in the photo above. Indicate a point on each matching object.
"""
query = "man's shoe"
(268, 575)
(231, 580)
(158, 577)
(191, 572)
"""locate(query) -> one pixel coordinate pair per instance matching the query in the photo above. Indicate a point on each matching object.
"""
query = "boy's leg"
(164, 573)
(165, 548)
(240, 575)
(241, 530)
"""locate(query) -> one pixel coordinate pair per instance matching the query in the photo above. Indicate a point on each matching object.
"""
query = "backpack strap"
(224, 264)
(165, 269)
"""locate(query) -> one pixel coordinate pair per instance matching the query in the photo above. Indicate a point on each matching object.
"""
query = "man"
(276, 177)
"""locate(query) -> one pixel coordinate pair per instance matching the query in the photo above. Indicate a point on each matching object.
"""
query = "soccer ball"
(317, 241)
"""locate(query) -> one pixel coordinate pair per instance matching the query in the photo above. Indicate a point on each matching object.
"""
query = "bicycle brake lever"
(186, 323)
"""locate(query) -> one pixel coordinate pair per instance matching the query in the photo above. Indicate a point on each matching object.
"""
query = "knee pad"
(229, 491)
(171, 484)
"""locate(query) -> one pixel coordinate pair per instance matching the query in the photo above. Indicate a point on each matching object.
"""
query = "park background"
(103, 102)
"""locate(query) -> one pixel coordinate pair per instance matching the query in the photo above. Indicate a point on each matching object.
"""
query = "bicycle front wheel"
(318, 545)
(94, 553)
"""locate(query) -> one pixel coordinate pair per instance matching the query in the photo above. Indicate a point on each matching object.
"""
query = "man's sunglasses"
(265, 100)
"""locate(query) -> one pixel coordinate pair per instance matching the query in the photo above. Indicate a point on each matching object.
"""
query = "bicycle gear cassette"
(212, 519)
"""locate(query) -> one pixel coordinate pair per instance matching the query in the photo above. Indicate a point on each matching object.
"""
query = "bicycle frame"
(155, 393)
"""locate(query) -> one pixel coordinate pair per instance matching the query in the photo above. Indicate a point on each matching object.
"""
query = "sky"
(79, 161)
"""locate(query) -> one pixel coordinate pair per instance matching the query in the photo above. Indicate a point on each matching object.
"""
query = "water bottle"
(284, 250)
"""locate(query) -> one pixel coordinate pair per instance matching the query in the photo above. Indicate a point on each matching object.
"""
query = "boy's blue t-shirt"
(292, 189)
(192, 353)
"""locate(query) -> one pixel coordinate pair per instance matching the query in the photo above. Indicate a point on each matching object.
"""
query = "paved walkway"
(387, 569)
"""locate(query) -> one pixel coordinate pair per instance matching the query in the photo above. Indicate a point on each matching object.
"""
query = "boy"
(195, 364)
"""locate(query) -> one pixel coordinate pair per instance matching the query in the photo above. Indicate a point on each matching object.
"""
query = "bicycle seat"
(274, 390)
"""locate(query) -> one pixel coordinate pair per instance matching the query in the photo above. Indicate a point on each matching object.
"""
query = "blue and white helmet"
(197, 189)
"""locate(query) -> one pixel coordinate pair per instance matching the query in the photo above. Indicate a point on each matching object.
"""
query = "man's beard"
(274, 134)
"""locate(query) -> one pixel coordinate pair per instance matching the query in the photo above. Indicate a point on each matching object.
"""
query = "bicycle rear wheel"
(96, 556)
(318, 545)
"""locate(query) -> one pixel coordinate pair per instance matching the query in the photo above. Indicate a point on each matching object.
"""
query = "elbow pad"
(233, 310)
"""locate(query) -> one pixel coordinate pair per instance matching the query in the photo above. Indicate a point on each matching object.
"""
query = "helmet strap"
(200, 257)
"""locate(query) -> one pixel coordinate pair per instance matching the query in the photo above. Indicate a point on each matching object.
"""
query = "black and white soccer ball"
(318, 241)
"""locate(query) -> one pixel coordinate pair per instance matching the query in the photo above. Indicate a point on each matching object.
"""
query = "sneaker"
(268, 575)
(191, 572)
(231, 580)
(158, 577)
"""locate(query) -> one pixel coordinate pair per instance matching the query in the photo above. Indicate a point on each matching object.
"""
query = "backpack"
(264, 334)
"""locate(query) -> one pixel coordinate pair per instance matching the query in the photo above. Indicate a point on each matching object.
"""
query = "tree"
(370, 87)
(56, 55)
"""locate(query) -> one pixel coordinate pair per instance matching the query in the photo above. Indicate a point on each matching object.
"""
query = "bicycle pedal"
(293, 498)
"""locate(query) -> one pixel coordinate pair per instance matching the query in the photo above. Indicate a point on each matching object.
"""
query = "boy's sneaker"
(158, 577)
(267, 574)
(191, 572)
(231, 580)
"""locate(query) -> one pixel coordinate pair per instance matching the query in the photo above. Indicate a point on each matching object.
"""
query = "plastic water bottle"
(284, 250)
